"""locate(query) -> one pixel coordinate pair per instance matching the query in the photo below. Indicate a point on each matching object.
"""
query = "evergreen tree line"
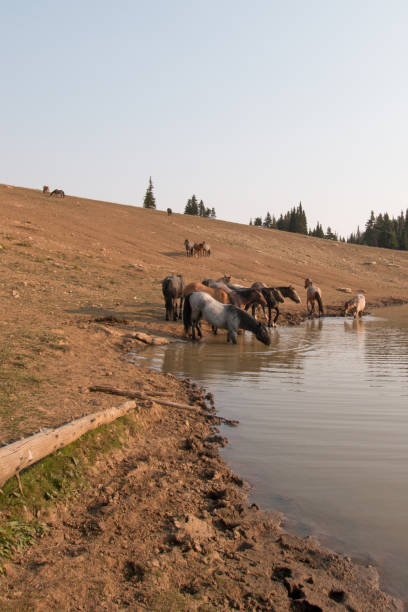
(192, 207)
(198, 208)
(294, 221)
(384, 231)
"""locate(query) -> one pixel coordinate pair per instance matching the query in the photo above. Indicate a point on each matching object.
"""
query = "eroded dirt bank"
(167, 526)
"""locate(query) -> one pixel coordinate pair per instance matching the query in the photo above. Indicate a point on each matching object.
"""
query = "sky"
(252, 106)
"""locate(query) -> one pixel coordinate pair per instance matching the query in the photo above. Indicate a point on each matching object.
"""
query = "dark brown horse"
(173, 287)
(57, 192)
(169, 211)
(275, 295)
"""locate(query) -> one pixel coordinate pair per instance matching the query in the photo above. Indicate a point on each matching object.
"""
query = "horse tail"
(319, 301)
(187, 314)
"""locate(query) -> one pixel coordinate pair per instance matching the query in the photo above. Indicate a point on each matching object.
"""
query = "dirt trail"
(167, 526)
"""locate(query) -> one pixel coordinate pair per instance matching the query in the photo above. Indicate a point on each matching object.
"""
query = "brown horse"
(169, 211)
(46, 189)
(217, 294)
(313, 293)
(198, 248)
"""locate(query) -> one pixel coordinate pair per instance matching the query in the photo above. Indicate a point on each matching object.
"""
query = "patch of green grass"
(55, 478)
(171, 601)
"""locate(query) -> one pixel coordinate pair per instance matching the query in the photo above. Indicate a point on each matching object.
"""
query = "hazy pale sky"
(252, 106)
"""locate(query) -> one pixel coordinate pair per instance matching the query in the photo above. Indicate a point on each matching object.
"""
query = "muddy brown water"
(323, 434)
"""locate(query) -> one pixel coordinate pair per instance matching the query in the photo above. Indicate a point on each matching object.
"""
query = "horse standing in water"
(200, 305)
(172, 288)
(313, 293)
(355, 306)
(189, 247)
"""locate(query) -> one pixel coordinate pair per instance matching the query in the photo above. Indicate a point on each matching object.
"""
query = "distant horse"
(172, 287)
(198, 248)
(313, 293)
(189, 247)
(206, 249)
(169, 211)
(46, 189)
(58, 192)
(355, 306)
(202, 306)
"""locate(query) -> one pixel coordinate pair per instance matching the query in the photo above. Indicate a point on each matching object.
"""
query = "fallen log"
(19, 455)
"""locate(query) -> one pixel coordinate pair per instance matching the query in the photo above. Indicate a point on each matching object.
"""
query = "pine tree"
(268, 220)
(213, 214)
(258, 221)
(149, 199)
(250, 222)
(201, 209)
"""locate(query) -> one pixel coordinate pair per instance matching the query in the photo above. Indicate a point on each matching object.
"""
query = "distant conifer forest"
(380, 231)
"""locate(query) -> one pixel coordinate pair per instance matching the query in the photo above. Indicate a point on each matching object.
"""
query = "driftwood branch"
(138, 395)
(19, 455)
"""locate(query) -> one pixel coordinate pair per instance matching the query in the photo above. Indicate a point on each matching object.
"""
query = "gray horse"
(173, 287)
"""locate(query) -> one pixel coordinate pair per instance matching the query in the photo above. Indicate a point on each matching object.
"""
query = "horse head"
(308, 282)
(262, 334)
(292, 294)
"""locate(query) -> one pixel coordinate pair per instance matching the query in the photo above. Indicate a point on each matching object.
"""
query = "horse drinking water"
(200, 305)
(355, 306)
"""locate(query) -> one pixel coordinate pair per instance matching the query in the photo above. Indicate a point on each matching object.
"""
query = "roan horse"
(200, 305)
(189, 247)
(355, 306)
(172, 287)
(58, 192)
(313, 293)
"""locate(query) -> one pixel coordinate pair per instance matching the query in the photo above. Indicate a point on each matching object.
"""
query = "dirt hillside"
(79, 279)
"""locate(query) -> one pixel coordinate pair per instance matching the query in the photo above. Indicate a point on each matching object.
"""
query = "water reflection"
(324, 426)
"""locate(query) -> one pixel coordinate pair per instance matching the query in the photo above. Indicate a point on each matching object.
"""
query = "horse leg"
(276, 316)
(214, 330)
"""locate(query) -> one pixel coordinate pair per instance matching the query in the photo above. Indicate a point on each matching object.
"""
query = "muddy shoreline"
(167, 526)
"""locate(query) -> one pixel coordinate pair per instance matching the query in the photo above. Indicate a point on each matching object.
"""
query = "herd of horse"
(225, 305)
(197, 249)
(55, 192)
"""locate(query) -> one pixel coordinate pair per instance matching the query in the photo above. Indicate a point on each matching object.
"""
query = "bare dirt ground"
(167, 526)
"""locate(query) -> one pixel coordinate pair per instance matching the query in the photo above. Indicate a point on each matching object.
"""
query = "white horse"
(355, 306)
(200, 305)
(313, 293)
